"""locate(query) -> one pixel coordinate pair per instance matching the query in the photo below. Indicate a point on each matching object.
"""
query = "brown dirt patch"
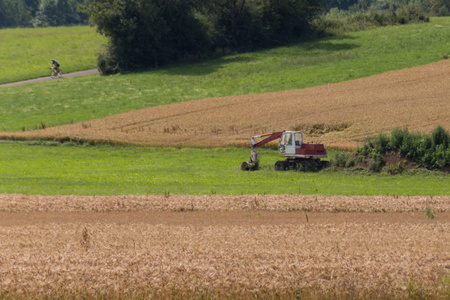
(339, 115)
(141, 245)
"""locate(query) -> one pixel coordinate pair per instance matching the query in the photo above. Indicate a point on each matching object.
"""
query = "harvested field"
(245, 246)
(339, 115)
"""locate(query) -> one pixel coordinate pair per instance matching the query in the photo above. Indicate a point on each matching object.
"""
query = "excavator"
(299, 155)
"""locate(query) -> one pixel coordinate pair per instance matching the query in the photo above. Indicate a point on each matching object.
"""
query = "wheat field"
(224, 246)
(339, 115)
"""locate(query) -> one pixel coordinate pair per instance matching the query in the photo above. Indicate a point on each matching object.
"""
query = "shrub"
(408, 147)
(339, 21)
(429, 213)
(340, 159)
(411, 13)
(397, 135)
(431, 150)
(364, 150)
(376, 162)
(440, 136)
(395, 169)
(350, 163)
(106, 64)
(381, 144)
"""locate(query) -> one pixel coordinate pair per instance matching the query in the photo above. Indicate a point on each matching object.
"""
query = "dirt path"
(68, 75)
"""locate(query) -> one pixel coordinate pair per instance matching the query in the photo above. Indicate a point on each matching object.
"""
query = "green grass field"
(301, 65)
(27, 52)
(107, 170)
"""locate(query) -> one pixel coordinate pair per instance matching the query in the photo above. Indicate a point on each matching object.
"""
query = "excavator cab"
(289, 142)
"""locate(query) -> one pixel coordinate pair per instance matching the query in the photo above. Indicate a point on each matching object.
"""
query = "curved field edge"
(105, 170)
(339, 115)
(245, 246)
(297, 66)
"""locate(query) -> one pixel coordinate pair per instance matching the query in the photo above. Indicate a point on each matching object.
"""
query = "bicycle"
(54, 74)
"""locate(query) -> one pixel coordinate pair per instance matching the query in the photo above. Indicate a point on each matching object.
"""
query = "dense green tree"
(145, 33)
(341, 4)
(438, 7)
(33, 6)
(14, 13)
(58, 12)
(26, 13)
(149, 33)
(289, 19)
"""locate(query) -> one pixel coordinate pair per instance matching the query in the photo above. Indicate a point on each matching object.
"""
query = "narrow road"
(68, 75)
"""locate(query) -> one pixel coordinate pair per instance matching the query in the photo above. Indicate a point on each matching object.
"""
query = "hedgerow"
(429, 150)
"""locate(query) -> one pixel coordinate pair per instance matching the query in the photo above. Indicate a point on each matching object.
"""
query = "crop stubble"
(244, 245)
(351, 111)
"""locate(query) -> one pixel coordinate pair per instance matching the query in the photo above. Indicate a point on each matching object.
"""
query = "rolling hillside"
(339, 115)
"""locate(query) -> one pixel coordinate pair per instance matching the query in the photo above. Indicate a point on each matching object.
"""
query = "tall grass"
(27, 52)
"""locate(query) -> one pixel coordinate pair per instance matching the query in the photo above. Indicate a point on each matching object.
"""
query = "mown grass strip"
(301, 65)
(107, 170)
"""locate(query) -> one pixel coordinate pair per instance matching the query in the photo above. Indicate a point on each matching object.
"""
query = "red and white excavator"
(298, 154)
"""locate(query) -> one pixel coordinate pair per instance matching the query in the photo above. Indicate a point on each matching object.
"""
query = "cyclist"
(55, 65)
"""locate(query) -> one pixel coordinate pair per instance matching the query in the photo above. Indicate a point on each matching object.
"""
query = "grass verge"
(65, 169)
(306, 64)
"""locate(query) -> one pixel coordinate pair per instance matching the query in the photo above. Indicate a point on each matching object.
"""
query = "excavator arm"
(254, 145)
(253, 163)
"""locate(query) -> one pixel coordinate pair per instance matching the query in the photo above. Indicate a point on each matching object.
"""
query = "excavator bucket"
(249, 166)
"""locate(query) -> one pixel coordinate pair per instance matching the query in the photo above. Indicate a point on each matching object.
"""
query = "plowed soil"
(219, 246)
(339, 115)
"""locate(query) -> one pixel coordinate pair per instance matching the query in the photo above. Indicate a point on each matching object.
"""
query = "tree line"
(432, 7)
(40, 13)
(152, 33)
(146, 34)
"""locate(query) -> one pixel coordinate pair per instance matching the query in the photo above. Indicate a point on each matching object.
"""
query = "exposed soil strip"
(213, 218)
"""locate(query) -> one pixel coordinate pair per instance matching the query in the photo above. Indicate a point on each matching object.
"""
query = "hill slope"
(339, 115)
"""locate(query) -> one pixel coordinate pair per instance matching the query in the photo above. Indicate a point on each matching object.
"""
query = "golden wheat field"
(223, 246)
(339, 115)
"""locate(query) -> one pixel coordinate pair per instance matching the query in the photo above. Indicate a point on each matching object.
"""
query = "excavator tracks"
(301, 164)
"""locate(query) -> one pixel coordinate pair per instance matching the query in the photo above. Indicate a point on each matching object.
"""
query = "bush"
(380, 144)
(440, 136)
(338, 21)
(409, 147)
(396, 139)
(394, 169)
(432, 151)
(106, 64)
(376, 162)
(340, 159)
(350, 163)
(412, 13)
